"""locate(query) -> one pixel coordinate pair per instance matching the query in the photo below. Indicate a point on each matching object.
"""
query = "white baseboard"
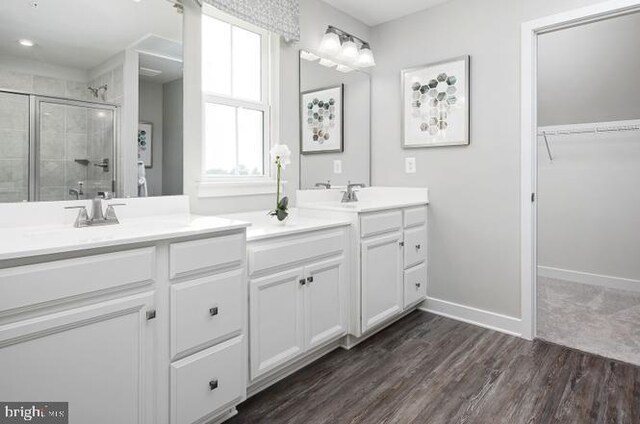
(587, 278)
(479, 317)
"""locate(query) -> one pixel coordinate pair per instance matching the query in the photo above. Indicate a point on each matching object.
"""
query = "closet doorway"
(580, 173)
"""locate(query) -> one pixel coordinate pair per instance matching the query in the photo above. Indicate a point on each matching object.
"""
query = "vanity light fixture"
(330, 44)
(25, 42)
(346, 49)
(308, 56)
(328, 63)
(343, 68)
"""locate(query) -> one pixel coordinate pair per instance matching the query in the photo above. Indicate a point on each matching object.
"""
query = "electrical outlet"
(337, 166)
(410, 165)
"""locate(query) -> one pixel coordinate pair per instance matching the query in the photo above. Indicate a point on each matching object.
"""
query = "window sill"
(236, 188)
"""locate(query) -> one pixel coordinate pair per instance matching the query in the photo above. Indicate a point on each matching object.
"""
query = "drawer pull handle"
(213, 311)
(213, 384)
(418, 246)
(302, 282)
(151, 314)
(309, 279)
(418, 285)
(401, 244)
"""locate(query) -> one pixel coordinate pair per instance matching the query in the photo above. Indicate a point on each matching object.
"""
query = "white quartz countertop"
(25, 242)
(370, 199)
(264, 226)
(46, 228)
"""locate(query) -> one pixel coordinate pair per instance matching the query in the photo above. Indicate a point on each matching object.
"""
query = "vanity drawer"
(203, 383)
(268, 255)
(55, 281)
(415, 284)
(415, 246)
(205, 310)
(380, 222)
(415, 216)
(209, 254)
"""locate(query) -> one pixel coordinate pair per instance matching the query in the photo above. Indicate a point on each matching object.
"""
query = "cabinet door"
(381, 279)
(97, 358)
(415, 246)
(276, 320)
(325, 302)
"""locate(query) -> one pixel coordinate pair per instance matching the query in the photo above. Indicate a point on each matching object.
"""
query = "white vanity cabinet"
(297, 297)
(152, 333)
(78, 330)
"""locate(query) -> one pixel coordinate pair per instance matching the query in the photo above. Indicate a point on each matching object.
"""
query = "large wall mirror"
(335, 123)
(90, 99)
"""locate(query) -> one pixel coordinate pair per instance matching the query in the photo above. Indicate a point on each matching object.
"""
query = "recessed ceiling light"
(25, 42)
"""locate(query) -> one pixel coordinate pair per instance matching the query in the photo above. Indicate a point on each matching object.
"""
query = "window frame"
(239, 185)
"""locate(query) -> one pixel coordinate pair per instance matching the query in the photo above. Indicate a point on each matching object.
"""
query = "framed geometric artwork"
(435, 104)
(145, 143)
(321, 120)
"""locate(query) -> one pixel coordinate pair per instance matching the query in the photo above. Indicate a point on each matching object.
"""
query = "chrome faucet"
(98, 217)
(326, 185)
(350, 194)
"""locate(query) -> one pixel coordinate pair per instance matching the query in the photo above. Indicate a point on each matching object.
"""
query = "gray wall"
(600, 81)
(150, 110)
(316, 168)
(474, 243)
(172, 143)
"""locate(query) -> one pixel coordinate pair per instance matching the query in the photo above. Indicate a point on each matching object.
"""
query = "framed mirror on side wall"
(90, 99)
(335, 124)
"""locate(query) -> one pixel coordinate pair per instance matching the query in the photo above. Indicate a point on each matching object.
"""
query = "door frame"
(528, 176)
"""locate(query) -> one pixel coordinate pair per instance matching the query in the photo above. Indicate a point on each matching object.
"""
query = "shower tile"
(52, 145)
(591, 318)
(52, 173)
(75, 172)
(13, 116)
(76, 146)
(78, 90)
(53, 118)
(50, 194)
(49, 86)
(16, 81)
(76, 119)
(14, 144)
(14, 174)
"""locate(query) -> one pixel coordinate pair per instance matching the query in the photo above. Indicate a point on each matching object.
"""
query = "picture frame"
(435, 104)
(145, 143)
(322, 120)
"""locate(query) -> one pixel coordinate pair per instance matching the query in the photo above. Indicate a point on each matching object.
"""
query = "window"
(236, 76)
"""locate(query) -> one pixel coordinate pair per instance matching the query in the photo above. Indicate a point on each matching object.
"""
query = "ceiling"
(81, 34)
(376, 12)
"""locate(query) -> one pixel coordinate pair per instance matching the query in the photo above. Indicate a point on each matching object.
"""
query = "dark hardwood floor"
(429, 369)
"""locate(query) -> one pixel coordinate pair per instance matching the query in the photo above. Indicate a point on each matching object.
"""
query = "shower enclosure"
(55, 149)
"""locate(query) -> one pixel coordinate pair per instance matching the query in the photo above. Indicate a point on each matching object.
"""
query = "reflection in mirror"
(335, 113)
(78, 79)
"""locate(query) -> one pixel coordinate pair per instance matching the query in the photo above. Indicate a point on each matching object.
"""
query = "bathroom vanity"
(140, 322)
(388, 243)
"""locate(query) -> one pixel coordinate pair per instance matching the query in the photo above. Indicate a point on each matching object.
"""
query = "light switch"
(337, 166)
(410, 165)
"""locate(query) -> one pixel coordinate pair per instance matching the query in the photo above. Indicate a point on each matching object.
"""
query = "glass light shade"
(365, 58)
(343, 68)
(349, 51)
(326, 62)
(330, 43)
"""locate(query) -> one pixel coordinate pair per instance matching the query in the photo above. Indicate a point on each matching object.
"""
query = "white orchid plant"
(281, 157)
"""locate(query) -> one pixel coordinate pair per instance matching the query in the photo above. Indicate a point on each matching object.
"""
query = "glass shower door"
(75, 149)
(14, 147)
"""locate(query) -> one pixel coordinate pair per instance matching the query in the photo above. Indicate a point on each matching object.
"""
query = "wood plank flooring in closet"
(430, 369)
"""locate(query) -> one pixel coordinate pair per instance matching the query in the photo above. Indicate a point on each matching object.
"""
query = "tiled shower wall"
(14, 148)
(69, 137)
